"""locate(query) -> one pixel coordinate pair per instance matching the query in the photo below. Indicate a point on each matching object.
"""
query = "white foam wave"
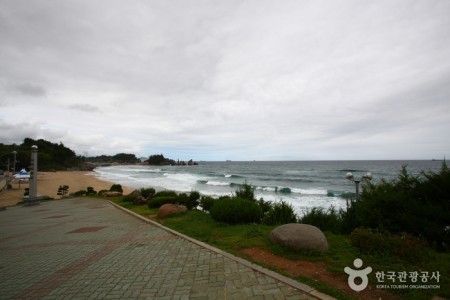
(309, 191)
(301, 197)
(266, 189)
(217, 183)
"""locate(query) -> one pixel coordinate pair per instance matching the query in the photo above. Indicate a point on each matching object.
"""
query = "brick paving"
(88, 249)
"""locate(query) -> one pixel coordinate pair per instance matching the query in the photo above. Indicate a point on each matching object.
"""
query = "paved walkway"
(87, 248)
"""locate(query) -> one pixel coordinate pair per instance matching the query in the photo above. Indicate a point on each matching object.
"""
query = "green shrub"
(207, 202)
(63, 190)
(236, 210)
(369, 242)
(166, 194)
(246, 191)
(194, 198)
(405, 247)
(418, 205)
(116, 188)
(266, 206)
(90, 191)
(146, 192)
(128, 198)
(80, 193)
(329, 220)
(161, 200)
(280, 213)
(182, 199)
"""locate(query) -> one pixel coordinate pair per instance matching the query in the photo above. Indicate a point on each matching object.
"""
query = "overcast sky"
(239, 80)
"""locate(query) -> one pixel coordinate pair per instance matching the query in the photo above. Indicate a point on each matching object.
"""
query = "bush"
(246, 192)
(90, 191)
(236, 210)
(329, 220)
(266, 206)
(79, 193)
(146, 192)
(161, 200)
(166, 194)
(418, 205)
(165, 197)
(182, 199)
(116, 188)
(190, 201)
(280, 213)
(207, 202)
(63, 190)
(193, 202)
(405, 247)
(129, 198)
(369, 242)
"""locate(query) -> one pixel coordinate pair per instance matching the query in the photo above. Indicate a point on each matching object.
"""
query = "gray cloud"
(84, 107)
(31, 90)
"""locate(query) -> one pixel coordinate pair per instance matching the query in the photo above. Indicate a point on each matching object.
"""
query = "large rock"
(135, 193)
(111, 194)
(299, 237)
(139, 200)
(171, 209)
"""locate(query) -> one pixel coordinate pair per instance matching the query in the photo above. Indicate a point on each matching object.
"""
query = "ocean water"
(304, 184)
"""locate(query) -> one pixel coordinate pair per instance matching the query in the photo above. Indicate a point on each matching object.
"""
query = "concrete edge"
(291, 282)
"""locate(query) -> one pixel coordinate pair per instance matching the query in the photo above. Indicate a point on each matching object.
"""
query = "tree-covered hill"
(55, 157)
(51, 156)
(120, 158)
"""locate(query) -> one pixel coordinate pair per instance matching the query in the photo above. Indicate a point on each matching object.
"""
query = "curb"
(291, 282)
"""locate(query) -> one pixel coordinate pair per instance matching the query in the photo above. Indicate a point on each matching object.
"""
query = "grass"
(234, 238)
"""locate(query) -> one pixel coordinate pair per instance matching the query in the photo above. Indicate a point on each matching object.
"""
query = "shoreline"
(49, 182)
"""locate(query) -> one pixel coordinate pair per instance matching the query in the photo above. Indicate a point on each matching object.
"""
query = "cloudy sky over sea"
(239, 80)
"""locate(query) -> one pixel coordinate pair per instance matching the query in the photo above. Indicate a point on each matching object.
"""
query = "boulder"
(140, 200)
(111, 194)
(299, 237)
(171, 209)
(135, 193)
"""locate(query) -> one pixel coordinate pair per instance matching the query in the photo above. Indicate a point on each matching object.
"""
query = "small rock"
(171, 209)
(135, 193)
(139, 200)
(112, 194)
(299, 237)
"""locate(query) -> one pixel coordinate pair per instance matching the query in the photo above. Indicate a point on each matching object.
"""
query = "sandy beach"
(49, 182)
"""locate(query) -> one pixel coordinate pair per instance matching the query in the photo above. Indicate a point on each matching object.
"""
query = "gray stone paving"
(88, 249)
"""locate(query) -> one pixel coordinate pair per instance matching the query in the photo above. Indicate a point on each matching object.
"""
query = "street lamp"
(366, 177)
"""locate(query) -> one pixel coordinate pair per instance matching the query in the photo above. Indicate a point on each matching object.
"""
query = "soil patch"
(316, 271)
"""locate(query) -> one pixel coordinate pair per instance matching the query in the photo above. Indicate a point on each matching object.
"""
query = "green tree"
(160, 160)
(419, 205)
(246, 191)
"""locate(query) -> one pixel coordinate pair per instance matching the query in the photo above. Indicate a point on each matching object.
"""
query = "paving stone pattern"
(87, 249)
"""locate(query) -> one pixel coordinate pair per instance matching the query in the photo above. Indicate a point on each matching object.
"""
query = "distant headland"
(57, 157)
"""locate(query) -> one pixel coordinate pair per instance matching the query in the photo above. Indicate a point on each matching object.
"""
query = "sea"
(303, 184)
